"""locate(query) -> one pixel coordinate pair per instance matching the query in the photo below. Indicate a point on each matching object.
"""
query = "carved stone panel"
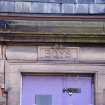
(58, 54)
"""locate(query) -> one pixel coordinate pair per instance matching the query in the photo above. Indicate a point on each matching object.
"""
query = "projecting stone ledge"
(51, 37)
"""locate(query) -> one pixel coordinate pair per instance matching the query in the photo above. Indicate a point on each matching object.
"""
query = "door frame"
(92, 75)
(14, 72)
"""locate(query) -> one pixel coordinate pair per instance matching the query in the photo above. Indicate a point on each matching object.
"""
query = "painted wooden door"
(83, 95)
(56, 90)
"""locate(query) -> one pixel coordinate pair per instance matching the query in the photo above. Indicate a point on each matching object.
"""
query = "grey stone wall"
(2, 94)
(53, 6)
(37, 54)
(15, 60)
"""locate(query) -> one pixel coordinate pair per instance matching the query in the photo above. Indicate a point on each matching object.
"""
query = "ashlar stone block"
(21, 53)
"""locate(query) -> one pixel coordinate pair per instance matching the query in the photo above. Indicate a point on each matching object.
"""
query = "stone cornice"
(12, 16)
(52, 37)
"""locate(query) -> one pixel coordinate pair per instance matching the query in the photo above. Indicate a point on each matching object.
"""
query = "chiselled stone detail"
(58, 54)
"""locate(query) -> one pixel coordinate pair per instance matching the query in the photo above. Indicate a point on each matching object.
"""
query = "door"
(81, 91)
(56, 90)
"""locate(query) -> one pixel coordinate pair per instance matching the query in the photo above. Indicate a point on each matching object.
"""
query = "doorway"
(57, 90)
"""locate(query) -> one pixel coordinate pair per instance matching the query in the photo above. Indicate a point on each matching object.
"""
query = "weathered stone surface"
(97, 8)
(6, 6)
(12, 80)
(58, 23)
(49, 6)
(75, 55)
(1, 66)
(86, 55)
(58, 26)
(22, 6)
(85, 1)
(68, 8)
(100, 1)
(64, 54)
(82, 8)
(104, 96)
(2, 100)
(55, 38)
(0, 52)
(14, 85)
(21, 53)
(100, 87)
(99, 98)
(92, 55)
(45, 7)
(54, 31)
(69, 1)
(1, 79)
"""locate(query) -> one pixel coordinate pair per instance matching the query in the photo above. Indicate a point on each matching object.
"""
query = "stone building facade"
(65, 44)
(51, 55)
